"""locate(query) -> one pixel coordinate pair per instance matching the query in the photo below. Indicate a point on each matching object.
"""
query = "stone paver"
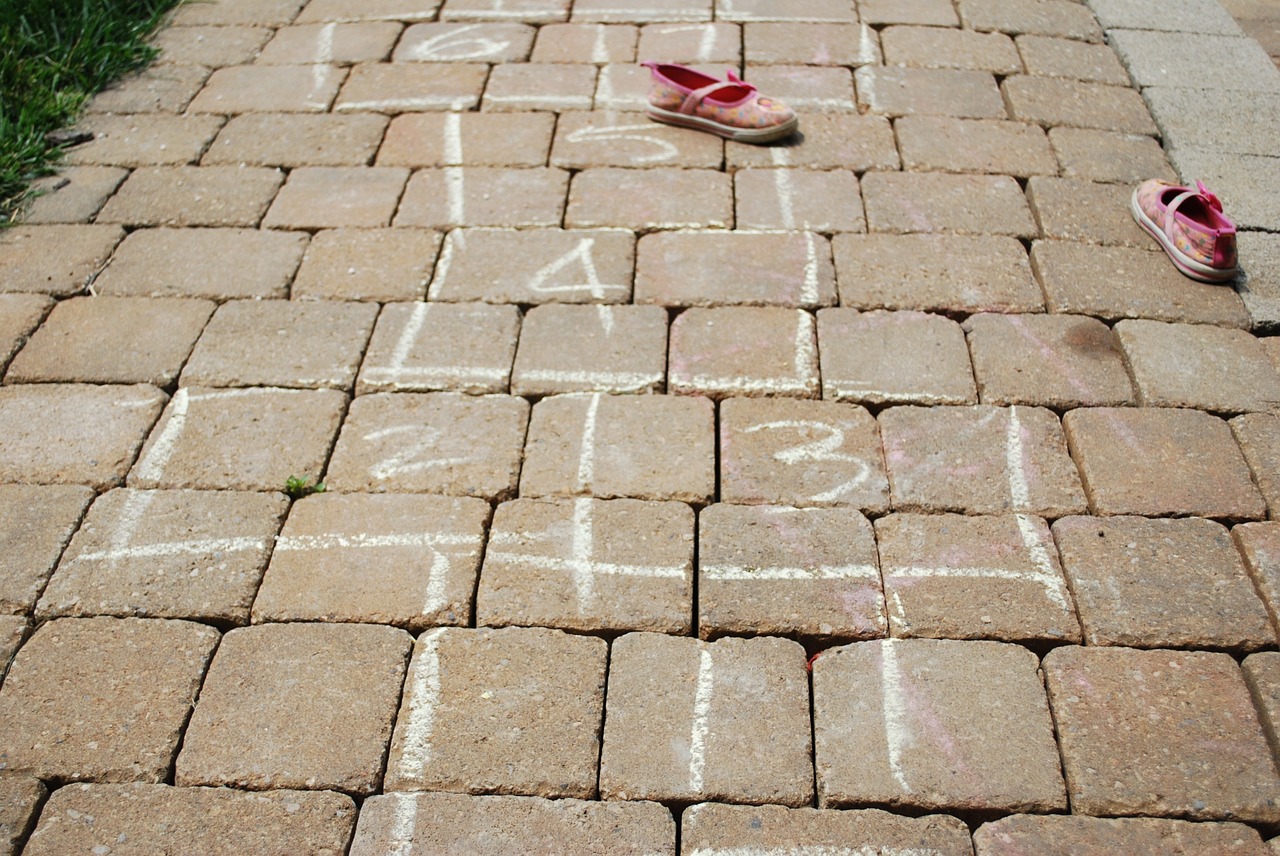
(1201, 598)
(788, 42)
(75, 195)
(510, 711)
(102, 699)
(467, 139)
(402, 87)
(37, 523)
(1235, 177)
(1161, 462)
(674, 728)
(212, 47)
(1232, 122)
(959, 204)
(13, 631)
(603, 348)
(193, 196)
(901, 91)
(142, 140)
(1262, 673)
(956, 577)
(596, 43)
(446, 823)
(812, 200)
(269, 89)
(140, 818)
(1078, 835)
(79, 253)
(435, 442)
(297, 139)
(167, 554)
(608, 446)
(1259, 545)
(588, 564)
(1054, 57)
(465, 42)
(778, 570)
(483, 196)
(239, 439)
(979, 460)
(324, 197)
(992, 146)
(744, 350)
(1259, 281)
(933, 13)
(112, 340)
(1073, 209)
(618, 139)
(1055, 101)
(1109, 156)
(1160, 733)
(1259, 437)
(342, 44)
(1039, 17)
(964, 50)
(647, 199)
(934, 724)
(315, 701)
(809, 90)
(258, 13)
(163, 89)
(536, 86)
(1153, 57)
(20, 800)
(831, 141)
(20, 314)
(801, 453)
(367, 264)
(712, 829)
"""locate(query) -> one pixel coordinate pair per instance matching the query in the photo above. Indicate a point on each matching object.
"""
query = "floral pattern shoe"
(1190, 226)
(731, 108)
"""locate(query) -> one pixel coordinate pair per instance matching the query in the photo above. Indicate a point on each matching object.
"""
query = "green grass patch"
(54, 55)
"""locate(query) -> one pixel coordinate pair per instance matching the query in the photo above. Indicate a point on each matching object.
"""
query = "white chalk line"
(167, 549)
(866, 45)
(559, 102)
(403, 823)
(839, 388)
(780, 572)
(454, 241)
(1019, 490)
(600, 46)
(738, 384)
(362, 541)
(454, 179)
(816, 850)
(806, 356)
(452, 45)
(666, 150)
(404, 373)
(701, 721)
(822, 450)
(583, 255)
(586, 471)
(420, 102)
(619, 381)
(157, 457)
(135, 506)
(894, 707)
(598, 567)
(415, 751)
(580, 550)
(783, 187)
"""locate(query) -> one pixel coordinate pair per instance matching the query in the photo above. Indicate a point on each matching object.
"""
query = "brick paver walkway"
(885, 491)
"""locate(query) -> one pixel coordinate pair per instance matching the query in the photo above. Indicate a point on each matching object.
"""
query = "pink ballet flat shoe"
(731, 108)
(1190, 226)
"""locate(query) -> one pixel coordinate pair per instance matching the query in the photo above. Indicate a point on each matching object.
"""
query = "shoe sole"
(1187, 265)
(740, 135)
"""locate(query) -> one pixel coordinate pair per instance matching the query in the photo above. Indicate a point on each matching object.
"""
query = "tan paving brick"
(789, 43)
(141, 140)
(585, 140)
(534, 266)
(603, 348)
(1057, 835)
(297, 139)
(1200, 598)
(443, 442)
(712, 828)
(140, 818)
(1259, 284)
(369, 10)
(801, 453)
(955, 577)
(881, 357)
(623, 87)
(1053, 101)
(1152, 57)
(339, 44)
(974, 146)
(779, 570)
(1059, 361)
(744, 350)
(979, 460)
(1053, 57)
(193, 196)
(673, 728)
(276, 343)
(74, 195)
(467, 139)
(484, 196)
(1124, 282)
(713, 269)
(1259, 545)
(465, 690)
(539, 86)
(315, 701)
(1194, 18)
(269, 89)
(936, 47)
(813, 200)
(487, 825)
(13, 631)
(102, 699)
(830, 141)
(112, 340)
(934, 724)
(465, 42)
(408, 561)
(42, 436)
(1160, 733)
(589, 565)
(933, 202)
(78, 253)
(37, 524)
(643, 447)
(720, 42)
(213, 47)
(660, 198)
(1259, 437)
(261, 13)
(499, 10)
(20, 314)
(1161, 461)
(321, 197)
(21, 798)
(367, 264)
(1038, 17)
(1072, 209)
(812, 11)
(193, 263)
(1199, 366)
(200, 555)
(627, 12)
(159, 89)
(940, 273)
(421, 347)
(595, 43)
(239, 439)
(900, 91)
(932, 13)
(807, 89)
(1108, 156)
(403, 87)
(1262, 673)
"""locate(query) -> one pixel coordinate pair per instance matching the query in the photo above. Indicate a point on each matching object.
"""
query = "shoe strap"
(696, 97)
(1171, 210)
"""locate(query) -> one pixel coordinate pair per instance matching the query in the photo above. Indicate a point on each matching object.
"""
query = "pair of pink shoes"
(730, 108)
(1190, 226)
